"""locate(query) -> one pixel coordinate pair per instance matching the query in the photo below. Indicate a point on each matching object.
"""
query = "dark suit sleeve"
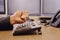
(5, 23)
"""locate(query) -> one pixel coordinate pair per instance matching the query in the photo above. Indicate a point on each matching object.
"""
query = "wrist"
(11, 19)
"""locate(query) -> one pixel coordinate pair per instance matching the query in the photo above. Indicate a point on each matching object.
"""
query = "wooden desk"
(7, 35)
(50, 33)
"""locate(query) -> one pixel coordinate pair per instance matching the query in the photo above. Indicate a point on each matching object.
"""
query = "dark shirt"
(5, 24)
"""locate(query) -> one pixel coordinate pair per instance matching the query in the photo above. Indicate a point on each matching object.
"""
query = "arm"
(5, 23)
(17, 18)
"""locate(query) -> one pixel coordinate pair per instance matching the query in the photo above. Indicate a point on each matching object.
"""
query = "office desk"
(48, 33)
(7, 35)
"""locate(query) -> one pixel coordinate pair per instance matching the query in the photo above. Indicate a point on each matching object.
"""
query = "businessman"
(18, 17)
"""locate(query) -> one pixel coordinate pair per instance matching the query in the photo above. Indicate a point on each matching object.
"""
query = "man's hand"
(19, 17)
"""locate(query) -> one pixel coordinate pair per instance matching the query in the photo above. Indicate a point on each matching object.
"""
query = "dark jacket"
(5, 24)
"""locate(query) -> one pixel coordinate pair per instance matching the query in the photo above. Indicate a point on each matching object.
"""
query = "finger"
(19, 20)
(23, 17)
(18, 13)
(26, 14)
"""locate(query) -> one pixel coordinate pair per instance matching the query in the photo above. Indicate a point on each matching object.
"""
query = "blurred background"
(49, 7)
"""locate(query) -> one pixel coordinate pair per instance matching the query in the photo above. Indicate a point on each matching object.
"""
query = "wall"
(50, 7)
(33, 6)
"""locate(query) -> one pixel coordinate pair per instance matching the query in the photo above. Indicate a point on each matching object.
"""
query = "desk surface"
(48, 33)
(7, 35)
